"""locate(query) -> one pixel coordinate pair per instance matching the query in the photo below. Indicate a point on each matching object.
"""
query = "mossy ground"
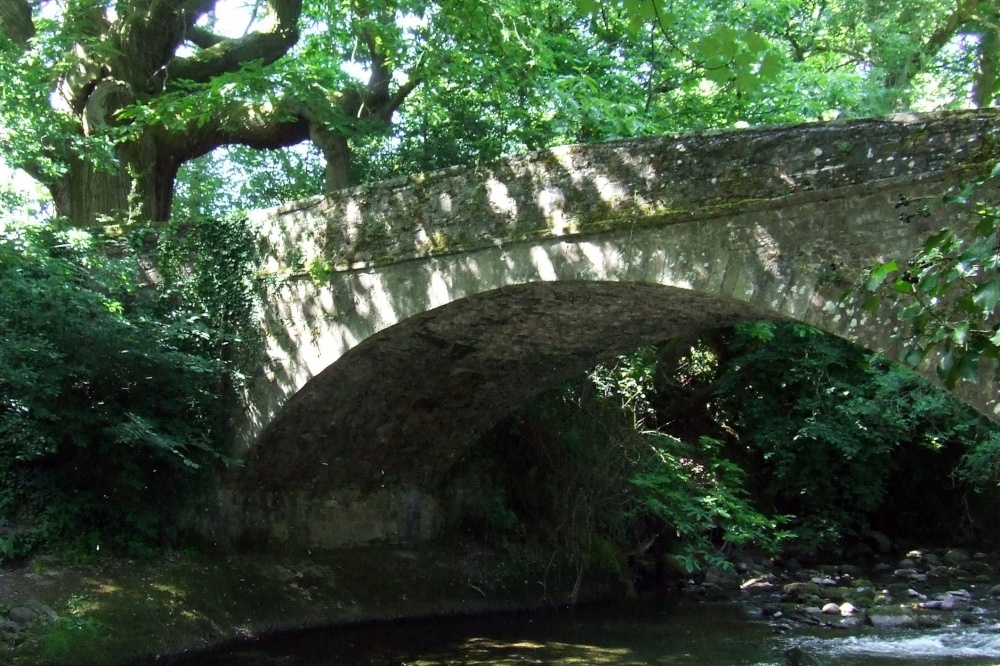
(131, 612)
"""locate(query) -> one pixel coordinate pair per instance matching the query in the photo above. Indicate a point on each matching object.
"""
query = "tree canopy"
(104, 102)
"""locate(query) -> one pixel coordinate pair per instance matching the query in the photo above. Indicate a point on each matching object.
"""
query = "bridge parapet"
(585, 189)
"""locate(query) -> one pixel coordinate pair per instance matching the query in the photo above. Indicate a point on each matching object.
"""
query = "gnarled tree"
(104, 101)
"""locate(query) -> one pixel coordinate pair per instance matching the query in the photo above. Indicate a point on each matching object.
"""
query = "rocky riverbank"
(925, 588)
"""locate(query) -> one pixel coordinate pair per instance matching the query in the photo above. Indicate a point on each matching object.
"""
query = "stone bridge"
(409, 316)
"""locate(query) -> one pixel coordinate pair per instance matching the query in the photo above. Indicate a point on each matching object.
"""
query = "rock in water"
(796, 656)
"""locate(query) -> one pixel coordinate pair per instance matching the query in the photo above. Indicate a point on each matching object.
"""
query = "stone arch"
(375, 370)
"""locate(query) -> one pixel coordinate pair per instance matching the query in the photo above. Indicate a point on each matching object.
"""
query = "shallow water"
(980, 645)
(676, 634)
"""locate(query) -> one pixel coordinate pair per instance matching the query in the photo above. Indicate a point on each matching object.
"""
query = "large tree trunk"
(139, 187)
(337, 153)
(86, 196)
(985, 80)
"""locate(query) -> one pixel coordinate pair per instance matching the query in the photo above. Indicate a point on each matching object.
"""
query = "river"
(679, 633)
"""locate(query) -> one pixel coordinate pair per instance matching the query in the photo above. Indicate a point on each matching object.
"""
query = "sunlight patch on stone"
(500, 200)
(767, 250)
(438, 292)
(542, 262)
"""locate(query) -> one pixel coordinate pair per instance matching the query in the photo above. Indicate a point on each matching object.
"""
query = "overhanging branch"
(229, 54)
(246, 126)
(203, 38)
(902, 76)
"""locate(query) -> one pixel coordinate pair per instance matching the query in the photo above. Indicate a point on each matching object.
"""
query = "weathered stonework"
(416, 313)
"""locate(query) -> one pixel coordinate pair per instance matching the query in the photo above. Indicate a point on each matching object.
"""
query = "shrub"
(110, 393)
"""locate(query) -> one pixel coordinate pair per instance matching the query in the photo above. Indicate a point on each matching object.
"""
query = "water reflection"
(681, 634)
(492, 651)
(674, 635)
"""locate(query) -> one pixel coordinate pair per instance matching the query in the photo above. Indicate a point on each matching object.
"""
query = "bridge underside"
(370, 441)
(402, 406)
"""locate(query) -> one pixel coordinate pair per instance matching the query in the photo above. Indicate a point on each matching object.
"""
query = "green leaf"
(725, 38)
(902, 286)
(879, 274)
(706, 50)
(987, 223)
(966, 369)
(756, 44)
(667, 19)
(944, 366)
(930, 282)
(646, 10)
(914, 356)
(960, 333)
(937, 240)
(720, 75)
(747, 81)
(910, 311)
(871, 303)
(987, 295)
(770, 66)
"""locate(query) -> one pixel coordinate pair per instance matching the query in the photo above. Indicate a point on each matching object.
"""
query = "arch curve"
(381, 367)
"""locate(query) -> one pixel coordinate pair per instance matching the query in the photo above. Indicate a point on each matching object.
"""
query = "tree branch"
(378, 82)
(246, 126)
(903, 75)
(202, 37)
(229, 54)
(397, 99)
(377, 100)
(15, 21)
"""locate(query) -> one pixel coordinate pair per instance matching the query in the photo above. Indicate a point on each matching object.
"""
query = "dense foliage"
(764, 437)
(573, 475)
(517, 76)
(832, 428)
(110, 385)
(104, 102)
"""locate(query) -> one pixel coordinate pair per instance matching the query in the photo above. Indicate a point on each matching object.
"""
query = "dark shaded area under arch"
(404, 404)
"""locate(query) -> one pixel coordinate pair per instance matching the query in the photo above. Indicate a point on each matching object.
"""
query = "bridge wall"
(416, 314)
